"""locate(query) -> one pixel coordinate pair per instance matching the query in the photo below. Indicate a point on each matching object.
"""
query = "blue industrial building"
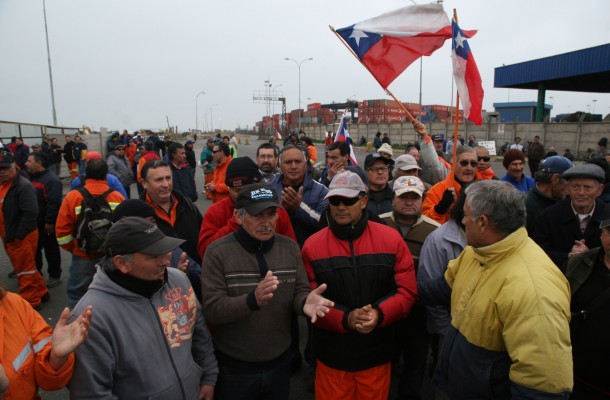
(586, 70)
(523, 111)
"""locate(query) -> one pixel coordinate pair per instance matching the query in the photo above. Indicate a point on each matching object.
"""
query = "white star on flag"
(459, 40)
(357, 35)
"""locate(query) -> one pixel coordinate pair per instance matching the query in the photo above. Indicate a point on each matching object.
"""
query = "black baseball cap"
(136, 235)
(256, 198)
(371, 158)
(6, 159)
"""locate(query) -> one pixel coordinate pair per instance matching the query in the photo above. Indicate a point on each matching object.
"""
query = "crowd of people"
(404, 264)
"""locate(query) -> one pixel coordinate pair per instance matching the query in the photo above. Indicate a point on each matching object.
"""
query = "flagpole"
(457, 112)
(413, 120)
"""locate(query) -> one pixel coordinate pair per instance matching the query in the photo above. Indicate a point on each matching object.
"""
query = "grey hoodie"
(140, 348)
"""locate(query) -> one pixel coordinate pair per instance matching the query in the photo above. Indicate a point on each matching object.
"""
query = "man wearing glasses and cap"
(252, 282)
(370, 276)
(148, 338)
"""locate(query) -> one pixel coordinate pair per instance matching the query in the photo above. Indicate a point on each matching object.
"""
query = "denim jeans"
(82, 166)
(81, 275)
(239, 380)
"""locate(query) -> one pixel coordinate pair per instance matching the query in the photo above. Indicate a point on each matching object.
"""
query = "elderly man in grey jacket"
(118, 165)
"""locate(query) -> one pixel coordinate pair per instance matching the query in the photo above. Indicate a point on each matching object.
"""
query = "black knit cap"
(133, 208)
(242, 171)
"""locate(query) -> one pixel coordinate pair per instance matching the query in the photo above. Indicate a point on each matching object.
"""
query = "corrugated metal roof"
(586, 70)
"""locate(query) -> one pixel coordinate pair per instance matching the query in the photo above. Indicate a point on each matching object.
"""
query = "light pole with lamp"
(594, 101)
(196, 112)
(299, 66)
(212, 118)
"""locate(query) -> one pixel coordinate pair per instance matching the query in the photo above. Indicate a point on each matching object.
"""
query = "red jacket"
(219, 222)
(373, 267)
(26, 346)
(70, 210)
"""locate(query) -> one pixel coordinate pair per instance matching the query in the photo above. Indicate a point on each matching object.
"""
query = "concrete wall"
(578, 137)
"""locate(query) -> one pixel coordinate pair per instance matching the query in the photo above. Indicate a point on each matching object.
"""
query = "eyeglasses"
(486, 159)
(377, 169)
(347, 201)
(266, 157)
(473, 163)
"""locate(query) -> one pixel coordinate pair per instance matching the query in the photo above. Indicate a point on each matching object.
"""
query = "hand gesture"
(264, 290)
(363, 320)
(578, 247)
(332, 171)
(419, 128)
(49, 229)
(316, 305)
(183, 263)
(206, 392)
(291, 199)
(4, 382)
(67, 337)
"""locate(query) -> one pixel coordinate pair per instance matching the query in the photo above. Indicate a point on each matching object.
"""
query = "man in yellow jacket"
(509, 335)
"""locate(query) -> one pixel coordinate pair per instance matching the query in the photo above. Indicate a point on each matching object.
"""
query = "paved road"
(52, 310)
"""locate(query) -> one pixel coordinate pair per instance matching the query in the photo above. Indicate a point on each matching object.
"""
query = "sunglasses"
(473, 163)
(486, 159)
(347, 201)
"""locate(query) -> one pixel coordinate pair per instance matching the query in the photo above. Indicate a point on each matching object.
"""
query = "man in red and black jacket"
(370, 276)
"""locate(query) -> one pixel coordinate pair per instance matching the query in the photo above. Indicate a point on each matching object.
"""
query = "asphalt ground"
(51, 310)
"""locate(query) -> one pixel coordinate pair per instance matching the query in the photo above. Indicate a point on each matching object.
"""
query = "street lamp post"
(46, 31)
(196, 112)
(212, 118)
(594, 101)
(299, 66)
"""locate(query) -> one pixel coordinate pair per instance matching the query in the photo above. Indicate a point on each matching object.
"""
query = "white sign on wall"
(489, 145)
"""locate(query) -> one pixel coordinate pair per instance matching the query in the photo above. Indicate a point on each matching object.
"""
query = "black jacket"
(187, 224)
(49, 194)
(558, 227)
(535, 203)
(20, 209)
(184, 181)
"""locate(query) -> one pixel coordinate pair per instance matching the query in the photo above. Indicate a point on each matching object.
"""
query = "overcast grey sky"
(130, 63)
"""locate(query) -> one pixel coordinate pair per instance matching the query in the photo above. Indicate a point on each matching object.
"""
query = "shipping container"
(314, 106)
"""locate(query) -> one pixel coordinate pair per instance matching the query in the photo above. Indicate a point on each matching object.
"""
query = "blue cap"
(438, 136)
(555, 165)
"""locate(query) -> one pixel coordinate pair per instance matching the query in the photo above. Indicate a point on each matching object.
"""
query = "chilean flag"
(387, 44)
(466, 75)
(343, 136)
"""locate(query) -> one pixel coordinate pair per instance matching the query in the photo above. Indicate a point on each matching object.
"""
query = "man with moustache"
(219, 219)
(252, 282)
(266, 158)
(514, 162)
